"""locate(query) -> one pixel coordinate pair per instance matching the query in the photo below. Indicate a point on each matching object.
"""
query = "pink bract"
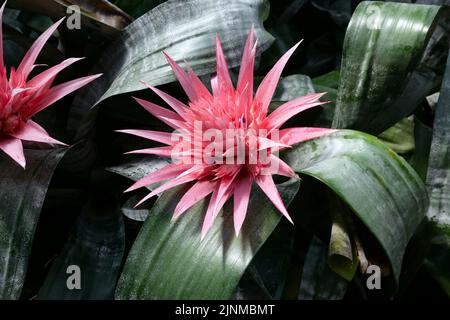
(21, 98)
(223, 109)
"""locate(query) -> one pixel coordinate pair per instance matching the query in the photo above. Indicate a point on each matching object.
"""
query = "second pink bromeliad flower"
(21, 98)
(226, 108)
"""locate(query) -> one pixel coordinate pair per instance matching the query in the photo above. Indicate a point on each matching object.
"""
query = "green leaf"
(292, 87)
(96, 246)
(169, 261)
(318, 281)
(22, 194)
(438, 183)
(400, 137)
(422, 144)
(185, 29)
(384, 73)
(342, 254)
(380, 187)
(330, 79)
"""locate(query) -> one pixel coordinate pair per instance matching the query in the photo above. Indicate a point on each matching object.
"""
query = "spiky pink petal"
(196, 193)
(176, 104)
(168, 185)
(214, 207)
(167, 172)
(241, 199)
(158, 136)
(183, 78)
(267, 87)
(31, 131)
(199, 87)
(13, 148)
(248, 59)
(49, 74)
(27, 64)
(159, 151)
(286, 111)
(265, 182)
(223, 76)
(161, 113)
(280, 167)
(2, 63)
(58, 92)
(292, 136)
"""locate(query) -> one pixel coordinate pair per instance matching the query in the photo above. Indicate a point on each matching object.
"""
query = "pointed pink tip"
(131, 152)
(289, 219)
(174, 217)
(168, 58)
(141, 202)
(57, 23)
(96, 76)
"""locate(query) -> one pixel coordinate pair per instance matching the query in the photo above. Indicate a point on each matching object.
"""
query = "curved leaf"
(379, 186)
(169, 261)
(438, 183)
(185, 30)
(96, 246)
(400, 137)
(22, 193)
(378, 89)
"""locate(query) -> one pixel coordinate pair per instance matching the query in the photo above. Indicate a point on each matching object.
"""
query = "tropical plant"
(363, 178)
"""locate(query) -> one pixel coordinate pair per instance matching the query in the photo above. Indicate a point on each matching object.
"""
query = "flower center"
(10, 124)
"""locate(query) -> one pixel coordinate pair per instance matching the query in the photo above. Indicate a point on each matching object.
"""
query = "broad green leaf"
(22, 193)
(330, 80)
(169, 260)
(438, 183)
(185, 29)
(385, 70)
(96, 246)
(132, 213)
(380, 187)
(318, 281)
(400, 137)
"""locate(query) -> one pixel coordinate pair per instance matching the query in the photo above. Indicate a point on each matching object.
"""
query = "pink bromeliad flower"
(226, 108)
(21, 98)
